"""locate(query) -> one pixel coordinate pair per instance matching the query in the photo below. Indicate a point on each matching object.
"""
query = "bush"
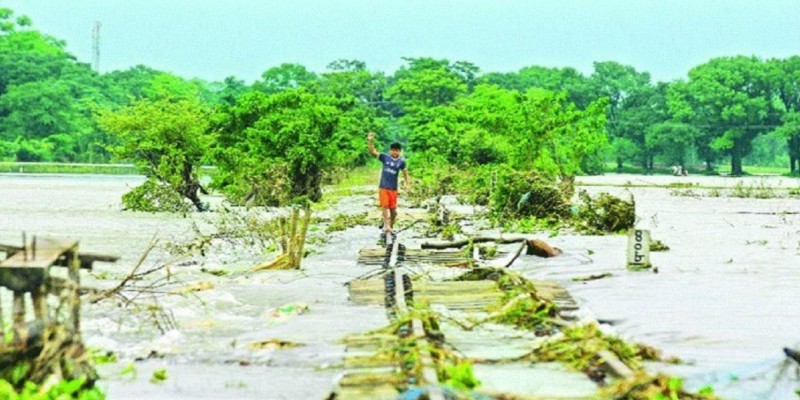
(153, 196)
(605, 214)
(526, 194)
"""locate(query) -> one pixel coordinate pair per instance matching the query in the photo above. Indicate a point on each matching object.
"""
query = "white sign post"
(639, 249)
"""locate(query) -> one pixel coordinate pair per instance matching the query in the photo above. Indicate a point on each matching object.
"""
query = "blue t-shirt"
(391, 168)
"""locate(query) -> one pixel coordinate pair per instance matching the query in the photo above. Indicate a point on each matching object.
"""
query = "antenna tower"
(96, 46)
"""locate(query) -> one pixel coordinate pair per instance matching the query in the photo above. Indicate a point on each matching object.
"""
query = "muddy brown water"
(724, 299)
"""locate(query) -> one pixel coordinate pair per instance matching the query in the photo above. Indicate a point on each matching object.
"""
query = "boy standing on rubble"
(387, 190)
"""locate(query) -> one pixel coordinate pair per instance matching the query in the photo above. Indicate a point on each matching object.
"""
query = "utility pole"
(96, 46)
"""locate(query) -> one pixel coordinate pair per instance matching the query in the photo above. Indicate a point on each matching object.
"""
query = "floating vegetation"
(481, 274)
(441, 223)
(592, 277)
(343, 222)
(159, 375)
(194, 288)
(449, 231)
(604, 214)
(460, 376)
(660, 387)
(760, 190)
(753, 191)
(238, 227)
(684, 193)
(409, 351)
(521, 307)
(681, 185)
(580, 348)
(487, 251)
(658, 245)
(524, 194)
(526, 311)
(273, 344)
(215, 272)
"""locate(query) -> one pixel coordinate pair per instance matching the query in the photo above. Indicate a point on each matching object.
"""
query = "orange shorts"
(387, 198)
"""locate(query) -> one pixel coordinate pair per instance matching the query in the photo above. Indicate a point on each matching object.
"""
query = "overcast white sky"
(215, 39)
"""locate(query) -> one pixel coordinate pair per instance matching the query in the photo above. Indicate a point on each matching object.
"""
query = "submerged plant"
(757, 191)
(460, 376)
(344, 221)
(579, 347)
(605, 214)
(522, 307)
(659, 387)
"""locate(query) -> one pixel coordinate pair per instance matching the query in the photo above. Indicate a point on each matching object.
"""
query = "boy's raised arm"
(370, 145)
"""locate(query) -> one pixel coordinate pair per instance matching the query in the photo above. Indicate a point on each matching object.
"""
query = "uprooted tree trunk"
(292, 239)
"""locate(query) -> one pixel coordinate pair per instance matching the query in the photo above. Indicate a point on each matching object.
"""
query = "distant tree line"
(293, 125)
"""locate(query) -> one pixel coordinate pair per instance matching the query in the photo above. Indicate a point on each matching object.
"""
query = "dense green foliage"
(275, 139)
(275, 148)
(167, 139)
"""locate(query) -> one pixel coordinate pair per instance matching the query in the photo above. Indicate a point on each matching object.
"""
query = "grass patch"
(67, 168)
(755, 170)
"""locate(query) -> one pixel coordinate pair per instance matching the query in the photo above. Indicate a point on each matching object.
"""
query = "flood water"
(726, 294)
(724, 298)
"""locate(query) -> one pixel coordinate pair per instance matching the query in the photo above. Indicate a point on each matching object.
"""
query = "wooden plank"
(376, 285)
(43, 255)
(614, 365)
(466, 290)
(428, 373)
(87, 259)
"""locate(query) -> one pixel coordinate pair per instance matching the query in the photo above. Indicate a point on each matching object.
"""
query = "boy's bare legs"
(387, 220)
(392, 218)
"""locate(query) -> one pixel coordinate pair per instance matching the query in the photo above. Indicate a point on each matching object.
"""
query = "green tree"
(630, 111)
(730, 99)
(28, 56)
(284, 77)
(672, 140)
(167, 140)
(130, 85)
(40, 109)
(418, 89)
(785, 81)
(225, 92)
(790, 131)
(683, 108)
(275, 148)
(558, 138)
(350, 78)
(538, 131)
(580, 89)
